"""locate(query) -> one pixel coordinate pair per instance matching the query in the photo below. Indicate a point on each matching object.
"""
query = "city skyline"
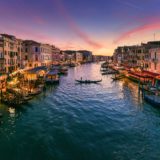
(99, 26)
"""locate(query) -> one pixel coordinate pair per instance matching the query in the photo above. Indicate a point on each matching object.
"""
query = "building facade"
(145, 56)
(45, 51)
(9, 53)
(31, 54)
(154, 60)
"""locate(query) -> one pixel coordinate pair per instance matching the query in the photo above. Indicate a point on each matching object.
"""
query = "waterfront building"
(9, 53)
(56, 57)
(136, 55)
(154, 60)
(63, 56)
(78, 57)
(36, 54)
(70, 56)
(87, 55)
(97, 58)
(2, 62)
(20, 53)
(31, 54)
(45, 54)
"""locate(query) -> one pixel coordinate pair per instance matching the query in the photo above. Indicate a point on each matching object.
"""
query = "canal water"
(106, 121)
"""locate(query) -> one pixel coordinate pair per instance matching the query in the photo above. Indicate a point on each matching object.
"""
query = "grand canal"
(106, 121)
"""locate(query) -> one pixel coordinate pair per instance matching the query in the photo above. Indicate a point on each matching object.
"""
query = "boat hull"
(153, 100)
(52, 82)
(88, 81)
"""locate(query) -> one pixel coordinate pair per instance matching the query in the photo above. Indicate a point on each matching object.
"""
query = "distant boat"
(88, 81)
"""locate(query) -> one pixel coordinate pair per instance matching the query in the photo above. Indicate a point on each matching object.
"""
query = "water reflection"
(69, 121)
(12, 111)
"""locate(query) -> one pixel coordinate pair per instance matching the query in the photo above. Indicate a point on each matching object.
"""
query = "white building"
(78, 57)
(45, 54)
(9, 53)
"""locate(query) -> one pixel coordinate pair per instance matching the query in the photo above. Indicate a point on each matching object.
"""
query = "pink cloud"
(84, 36)
(23, 32)
(143, 28)
(21, 29)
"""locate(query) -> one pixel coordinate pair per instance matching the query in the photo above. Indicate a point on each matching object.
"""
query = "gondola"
(109, 72)
(88, 81)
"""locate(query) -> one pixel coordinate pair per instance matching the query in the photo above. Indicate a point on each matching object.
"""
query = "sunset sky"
(96, 25)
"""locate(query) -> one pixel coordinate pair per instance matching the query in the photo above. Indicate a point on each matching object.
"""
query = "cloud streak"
(130, 4)
(84, 36)
(142, 28)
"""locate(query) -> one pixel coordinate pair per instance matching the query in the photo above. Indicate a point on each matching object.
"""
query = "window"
(155, 66)
(36, 57)
(26, 57)
(155, 55)
(26, 49)
(36, 49)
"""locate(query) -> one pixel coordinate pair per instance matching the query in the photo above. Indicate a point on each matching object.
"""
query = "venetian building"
(9, 45)
(45, 54)
(31, 57)
(56, 57)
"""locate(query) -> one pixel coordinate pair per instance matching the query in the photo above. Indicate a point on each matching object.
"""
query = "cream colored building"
(20, 53)
(78, 57)
(2, 65)
(154, 65)
(45, 54)
(56, 57)
(31, 54)
(36, 54)
(25, 54)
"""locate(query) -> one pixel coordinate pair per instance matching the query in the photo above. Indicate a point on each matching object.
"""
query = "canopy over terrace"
(34, 73)
(53, 72)
(151, 74)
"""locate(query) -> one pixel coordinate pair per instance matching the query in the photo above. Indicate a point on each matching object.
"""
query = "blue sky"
(96, 25)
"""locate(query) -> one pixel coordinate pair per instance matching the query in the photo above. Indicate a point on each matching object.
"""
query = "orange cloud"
(84, 36)
(143, 28)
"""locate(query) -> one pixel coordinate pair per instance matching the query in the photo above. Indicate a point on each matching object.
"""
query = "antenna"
(154, 36)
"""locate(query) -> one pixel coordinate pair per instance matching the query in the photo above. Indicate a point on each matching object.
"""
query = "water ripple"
(72, 121)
